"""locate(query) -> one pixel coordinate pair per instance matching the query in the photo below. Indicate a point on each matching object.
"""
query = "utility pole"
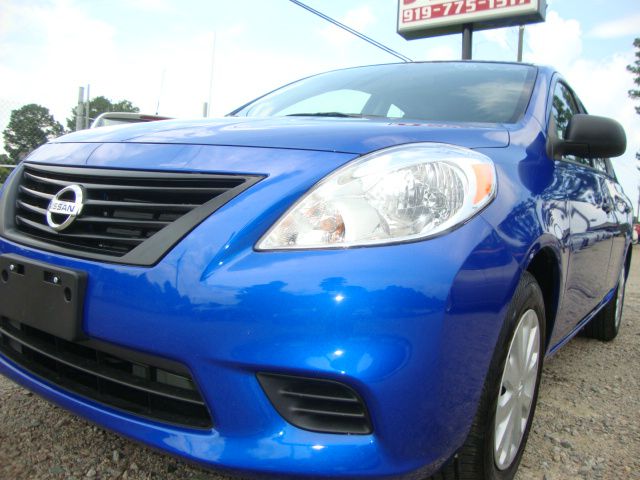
(87, 108)
(160, 92)
(520, 42)
(80, 109)
(467, 41)
(209, 101)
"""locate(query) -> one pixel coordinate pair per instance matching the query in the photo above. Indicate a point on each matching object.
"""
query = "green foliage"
(635, 69)
(562, 115)
(29, 127)
(100, 105)
(4, 172)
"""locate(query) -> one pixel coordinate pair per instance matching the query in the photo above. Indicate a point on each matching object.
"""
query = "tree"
(100, 105)
(4, 172)
(29, 127)
(635, 69)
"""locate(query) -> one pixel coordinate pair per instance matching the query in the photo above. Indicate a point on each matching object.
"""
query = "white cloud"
(556, 42)
(617, 28)
(601, 84)
(442, 52)
(62, 47)
(154, 6)
(496, 44)
(603, 87)
(497, 36)
(239, 73)
(359, 19)
(66, 48)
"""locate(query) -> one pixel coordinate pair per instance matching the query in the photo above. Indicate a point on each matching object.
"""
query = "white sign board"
(429, 18)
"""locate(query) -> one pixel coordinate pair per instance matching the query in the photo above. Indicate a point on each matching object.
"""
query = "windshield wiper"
(326, 114)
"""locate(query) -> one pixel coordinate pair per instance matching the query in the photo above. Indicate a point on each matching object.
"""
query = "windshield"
(434, 92)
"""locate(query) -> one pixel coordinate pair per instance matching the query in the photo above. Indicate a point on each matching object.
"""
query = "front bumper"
(410, 327)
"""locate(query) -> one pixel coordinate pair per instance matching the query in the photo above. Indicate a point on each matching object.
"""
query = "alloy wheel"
(517, 389)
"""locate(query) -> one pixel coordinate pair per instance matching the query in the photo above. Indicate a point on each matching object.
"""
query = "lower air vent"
(317, 405)
(117, 380)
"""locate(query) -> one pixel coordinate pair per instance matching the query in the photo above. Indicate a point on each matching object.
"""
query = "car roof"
(488, 62)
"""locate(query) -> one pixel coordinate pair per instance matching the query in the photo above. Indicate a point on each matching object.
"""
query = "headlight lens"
(402, 193)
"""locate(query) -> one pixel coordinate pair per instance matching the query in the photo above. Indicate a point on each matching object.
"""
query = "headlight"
(398, 194)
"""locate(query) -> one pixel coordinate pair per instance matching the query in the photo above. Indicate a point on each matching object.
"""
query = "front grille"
(114, 380)
(123, 209)
(317, 405)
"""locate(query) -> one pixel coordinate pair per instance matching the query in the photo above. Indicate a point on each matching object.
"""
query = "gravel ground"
(587, 424)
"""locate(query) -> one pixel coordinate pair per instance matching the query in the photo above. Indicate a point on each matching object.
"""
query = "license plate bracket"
(43, 296)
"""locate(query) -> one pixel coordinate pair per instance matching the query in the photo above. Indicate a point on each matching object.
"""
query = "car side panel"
(590, 244)
(621, 224)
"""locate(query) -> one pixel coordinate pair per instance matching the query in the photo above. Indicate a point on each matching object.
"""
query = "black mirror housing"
(590, 136)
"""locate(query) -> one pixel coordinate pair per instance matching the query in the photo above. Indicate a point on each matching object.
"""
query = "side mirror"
(590, 136)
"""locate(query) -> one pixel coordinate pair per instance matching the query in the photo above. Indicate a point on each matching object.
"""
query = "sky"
(171, 56)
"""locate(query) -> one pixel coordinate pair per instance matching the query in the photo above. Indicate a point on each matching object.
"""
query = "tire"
(481, 457)
(606, 324)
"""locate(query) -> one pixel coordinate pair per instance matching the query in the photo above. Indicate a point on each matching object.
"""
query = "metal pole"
(213, 61)
(88, 108)
(205, 109)
(160, 92)
(80, 109)
(638, 210)
(520, 42)
(467, 41)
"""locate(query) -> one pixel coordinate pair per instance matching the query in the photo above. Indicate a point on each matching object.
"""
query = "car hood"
(346, 135)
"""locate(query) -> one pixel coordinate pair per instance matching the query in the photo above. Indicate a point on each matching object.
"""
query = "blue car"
(357, 275)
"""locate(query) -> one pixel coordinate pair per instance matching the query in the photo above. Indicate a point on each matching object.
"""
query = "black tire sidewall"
(603, 326)
(621, 284)
(528, 296)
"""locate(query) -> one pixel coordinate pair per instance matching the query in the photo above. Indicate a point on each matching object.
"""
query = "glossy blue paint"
(581, 324)
(348, 135)
(412, 327)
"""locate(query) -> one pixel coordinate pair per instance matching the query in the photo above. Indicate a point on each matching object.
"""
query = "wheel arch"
(545, 266)
(627, 261)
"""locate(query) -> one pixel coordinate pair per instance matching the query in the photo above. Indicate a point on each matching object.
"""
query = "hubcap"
(517, 388)
(620, 299)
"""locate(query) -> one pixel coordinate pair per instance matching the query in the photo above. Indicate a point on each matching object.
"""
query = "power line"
(353, 32)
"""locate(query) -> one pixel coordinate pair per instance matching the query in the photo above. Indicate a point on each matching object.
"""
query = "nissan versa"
(356, 275)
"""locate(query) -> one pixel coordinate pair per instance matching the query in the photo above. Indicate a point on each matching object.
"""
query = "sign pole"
(520, 42)
(467, 41)
(87, 108)
(80, 109)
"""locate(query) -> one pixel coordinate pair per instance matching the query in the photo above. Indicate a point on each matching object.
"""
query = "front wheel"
(499, 433)
(517, 389)
(606, 324)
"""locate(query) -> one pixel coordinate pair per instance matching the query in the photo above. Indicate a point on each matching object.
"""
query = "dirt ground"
(587, 425)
